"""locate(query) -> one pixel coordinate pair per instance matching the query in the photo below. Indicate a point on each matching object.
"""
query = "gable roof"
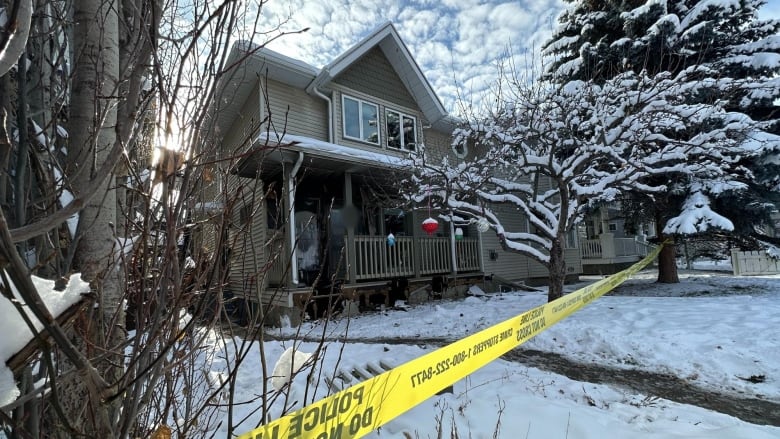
(248, 62)
(387, 39)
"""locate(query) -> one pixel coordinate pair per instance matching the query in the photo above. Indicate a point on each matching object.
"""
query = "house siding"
(509, 265)
(373, 75)
(294, 111)
(235, 140)
(437, 146)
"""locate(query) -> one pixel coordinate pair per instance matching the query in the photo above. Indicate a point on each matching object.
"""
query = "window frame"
(401, 116)
(360, 102)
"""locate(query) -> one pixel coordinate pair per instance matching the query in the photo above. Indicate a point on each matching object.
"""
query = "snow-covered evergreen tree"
(726, 55)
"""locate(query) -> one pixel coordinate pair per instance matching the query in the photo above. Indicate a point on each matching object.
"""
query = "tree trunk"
(557, 269)
(667, 259)
(92, 125)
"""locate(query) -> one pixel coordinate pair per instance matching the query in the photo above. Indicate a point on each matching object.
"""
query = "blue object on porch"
(390, 240)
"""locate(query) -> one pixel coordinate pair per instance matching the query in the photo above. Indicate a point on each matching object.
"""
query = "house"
(607, 245)
(334, 141)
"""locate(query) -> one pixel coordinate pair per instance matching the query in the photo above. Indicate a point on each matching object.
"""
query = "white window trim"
(360, 116)
(401, 116)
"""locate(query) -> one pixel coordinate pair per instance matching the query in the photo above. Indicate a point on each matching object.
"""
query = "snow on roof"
(347, 153)
(15, 332)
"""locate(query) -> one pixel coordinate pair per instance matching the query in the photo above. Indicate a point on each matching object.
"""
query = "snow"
(15, 332)
(345, 152)
(697, 217)
(289, 363)
(703, 330)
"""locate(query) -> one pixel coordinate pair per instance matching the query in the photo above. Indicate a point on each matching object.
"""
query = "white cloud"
(455, 42)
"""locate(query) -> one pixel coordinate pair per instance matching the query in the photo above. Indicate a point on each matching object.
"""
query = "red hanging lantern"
(430, 226)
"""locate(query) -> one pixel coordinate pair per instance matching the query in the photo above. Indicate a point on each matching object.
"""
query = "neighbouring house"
(314, 156)
(607, 245)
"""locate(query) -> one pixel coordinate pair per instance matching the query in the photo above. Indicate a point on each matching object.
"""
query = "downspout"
(312, 88)
(291, 198)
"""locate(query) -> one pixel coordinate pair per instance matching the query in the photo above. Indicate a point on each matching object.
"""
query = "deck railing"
(468, 254)
(374, 259)
(626, 247)
(644, 248)
(591, 248)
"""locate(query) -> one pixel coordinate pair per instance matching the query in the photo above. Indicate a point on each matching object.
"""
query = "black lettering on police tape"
(274, 434)
(532, 314)
(315, 415)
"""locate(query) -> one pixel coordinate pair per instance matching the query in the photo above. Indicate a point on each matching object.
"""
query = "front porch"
(326, 236)
(371, 264)
(608, 254)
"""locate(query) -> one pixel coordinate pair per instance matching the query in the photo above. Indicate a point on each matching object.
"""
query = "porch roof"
(272, 151)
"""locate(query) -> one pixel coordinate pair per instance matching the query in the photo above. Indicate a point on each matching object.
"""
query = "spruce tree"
(724, 52)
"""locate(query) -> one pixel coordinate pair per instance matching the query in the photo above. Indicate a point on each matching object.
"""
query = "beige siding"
(438, 145)
(509, 265)
(573, 261)
(296, 112)
(241, 132)
(373, 75)
(247, 237)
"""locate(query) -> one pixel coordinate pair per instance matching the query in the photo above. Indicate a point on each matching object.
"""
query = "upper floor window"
(401, 130)
(361, 120)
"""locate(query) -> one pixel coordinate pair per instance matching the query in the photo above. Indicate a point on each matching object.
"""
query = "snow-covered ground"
(713, 330)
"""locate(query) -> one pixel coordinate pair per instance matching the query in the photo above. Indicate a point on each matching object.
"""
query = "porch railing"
(626, 247)
(468, 254)
(644, 248)
(591, 248)
(375, 259)
(435, 255)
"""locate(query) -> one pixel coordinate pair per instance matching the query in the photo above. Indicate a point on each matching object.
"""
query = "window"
(401, 130)
(612, 227)
(360, 120)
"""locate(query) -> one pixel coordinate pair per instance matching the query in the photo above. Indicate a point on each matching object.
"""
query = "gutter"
(291, 197)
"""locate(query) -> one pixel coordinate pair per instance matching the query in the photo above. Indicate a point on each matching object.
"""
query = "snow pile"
(15, 332)
(290, 362)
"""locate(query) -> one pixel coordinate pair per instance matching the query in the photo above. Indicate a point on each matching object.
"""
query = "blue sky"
(455, 42)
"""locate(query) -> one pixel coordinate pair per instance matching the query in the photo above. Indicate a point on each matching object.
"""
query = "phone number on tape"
(457, 359)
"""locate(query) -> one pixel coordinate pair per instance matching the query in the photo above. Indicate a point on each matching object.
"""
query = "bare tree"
(114, 81)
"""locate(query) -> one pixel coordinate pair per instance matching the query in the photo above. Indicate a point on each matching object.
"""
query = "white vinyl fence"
(753, 263)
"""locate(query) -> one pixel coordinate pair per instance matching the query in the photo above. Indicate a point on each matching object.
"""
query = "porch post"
(416, 244)
(453, 250)
(289, 181)
(351, 267)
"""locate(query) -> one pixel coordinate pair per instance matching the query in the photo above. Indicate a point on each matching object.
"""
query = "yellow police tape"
(364, 407)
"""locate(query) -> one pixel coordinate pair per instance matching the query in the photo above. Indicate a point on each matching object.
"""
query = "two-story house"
(314, 159)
